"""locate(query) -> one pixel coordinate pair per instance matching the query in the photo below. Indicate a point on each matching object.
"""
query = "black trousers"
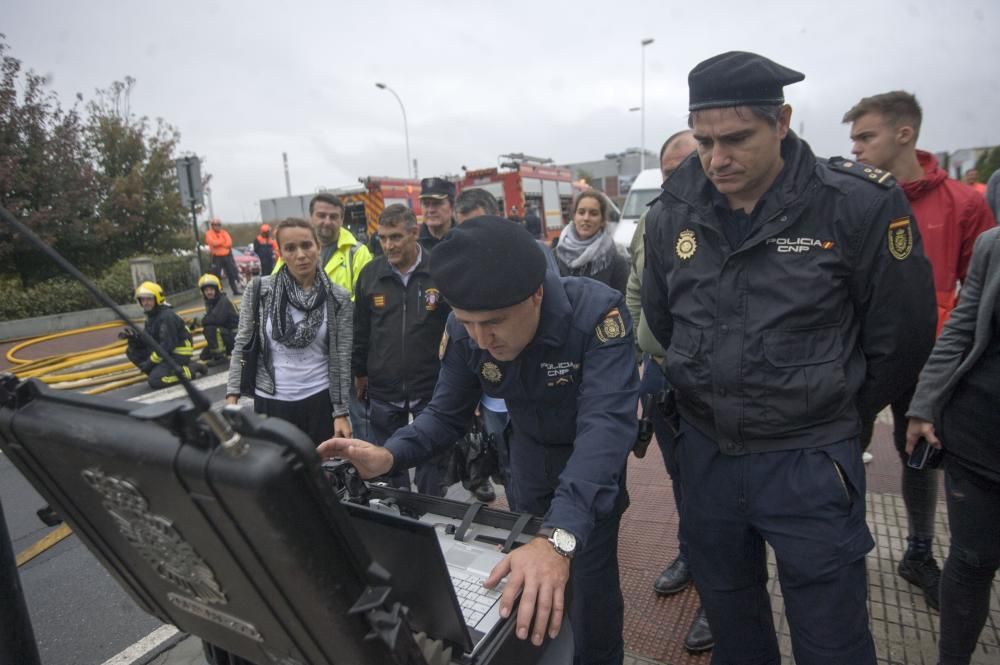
(220, 340)
(226, 264)
(973, 559)
(809, 505)
(429, 476)
(313, 415)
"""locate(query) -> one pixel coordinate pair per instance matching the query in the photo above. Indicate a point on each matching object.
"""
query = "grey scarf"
(286, 293)
(593, 254)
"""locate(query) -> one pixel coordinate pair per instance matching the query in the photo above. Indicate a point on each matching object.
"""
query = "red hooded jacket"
(950, 216)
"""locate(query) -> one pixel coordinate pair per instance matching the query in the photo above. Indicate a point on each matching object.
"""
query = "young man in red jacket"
(950, 215)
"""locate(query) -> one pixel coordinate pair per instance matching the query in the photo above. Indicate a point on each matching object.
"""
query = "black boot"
(484, 492)
(699, 637)
(674, 578)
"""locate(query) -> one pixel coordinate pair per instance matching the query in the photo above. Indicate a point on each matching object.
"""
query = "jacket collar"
(690, 185)
(557, 312)
(934, 176)
(385, 268)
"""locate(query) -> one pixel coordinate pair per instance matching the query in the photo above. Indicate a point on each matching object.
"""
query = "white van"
(645, 188)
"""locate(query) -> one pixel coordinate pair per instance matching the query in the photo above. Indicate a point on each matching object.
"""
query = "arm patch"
(879, 177)
(612, 327)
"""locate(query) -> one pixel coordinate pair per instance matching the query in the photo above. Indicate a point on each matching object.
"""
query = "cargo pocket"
(847, 475)
(686, 369)
(801, 382)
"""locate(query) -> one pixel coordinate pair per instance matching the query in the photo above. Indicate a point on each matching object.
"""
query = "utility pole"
(642, 107)
(288, 178)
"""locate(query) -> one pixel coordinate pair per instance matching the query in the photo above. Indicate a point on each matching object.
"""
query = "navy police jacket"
(571, 395)
(823, 315)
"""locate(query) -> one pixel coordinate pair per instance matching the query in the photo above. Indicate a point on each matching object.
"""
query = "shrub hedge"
(63, 294)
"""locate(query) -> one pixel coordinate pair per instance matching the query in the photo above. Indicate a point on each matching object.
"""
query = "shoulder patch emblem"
(444, 344)
(612, 327)
(873, 175)
(687, 243)
(378, 301)
(489, 371)
(900, 238)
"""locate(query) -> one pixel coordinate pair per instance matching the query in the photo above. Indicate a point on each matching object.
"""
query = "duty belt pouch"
(645, 434)
(667, 403)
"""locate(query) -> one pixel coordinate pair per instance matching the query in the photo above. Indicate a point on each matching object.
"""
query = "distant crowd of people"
(777, 303)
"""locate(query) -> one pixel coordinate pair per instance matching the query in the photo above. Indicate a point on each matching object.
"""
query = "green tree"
(140, 208)
(987, 163)
(46, 178)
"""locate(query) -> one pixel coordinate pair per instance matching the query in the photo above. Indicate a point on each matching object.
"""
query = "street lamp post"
(406, 129)
(642, 107)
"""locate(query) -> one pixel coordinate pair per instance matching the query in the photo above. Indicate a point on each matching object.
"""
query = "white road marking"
(143, 646)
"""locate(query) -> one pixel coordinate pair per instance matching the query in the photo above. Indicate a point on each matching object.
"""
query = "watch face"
(564, 540)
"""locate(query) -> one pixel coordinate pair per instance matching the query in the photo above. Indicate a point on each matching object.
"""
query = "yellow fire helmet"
(150, 289)
(208, 279)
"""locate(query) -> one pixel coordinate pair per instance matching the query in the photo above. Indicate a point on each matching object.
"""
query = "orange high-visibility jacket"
(219, 243)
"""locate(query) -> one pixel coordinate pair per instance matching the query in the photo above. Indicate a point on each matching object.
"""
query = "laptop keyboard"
(474, 599)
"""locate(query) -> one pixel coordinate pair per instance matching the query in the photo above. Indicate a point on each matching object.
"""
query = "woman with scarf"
(585, 247)
(306, 333)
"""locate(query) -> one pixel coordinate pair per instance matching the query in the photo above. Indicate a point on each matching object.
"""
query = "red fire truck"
(522, 181)
(363, 203)
(366, 202)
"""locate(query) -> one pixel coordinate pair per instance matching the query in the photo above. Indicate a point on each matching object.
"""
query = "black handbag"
(251, 350)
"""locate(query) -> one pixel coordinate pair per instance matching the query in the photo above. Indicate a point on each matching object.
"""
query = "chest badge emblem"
(686, 244)
(490, 372)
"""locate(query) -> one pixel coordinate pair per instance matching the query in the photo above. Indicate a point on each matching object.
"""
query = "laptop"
(437, 577)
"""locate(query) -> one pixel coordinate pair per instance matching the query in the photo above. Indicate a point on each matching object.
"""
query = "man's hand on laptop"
(539, 574)
(370, 460)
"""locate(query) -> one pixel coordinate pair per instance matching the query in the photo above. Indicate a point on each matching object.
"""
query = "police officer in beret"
(559, 352)
(794, 300)
(437, 199)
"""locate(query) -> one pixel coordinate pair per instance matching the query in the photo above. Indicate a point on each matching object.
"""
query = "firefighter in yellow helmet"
(219, 323)
(163, 325)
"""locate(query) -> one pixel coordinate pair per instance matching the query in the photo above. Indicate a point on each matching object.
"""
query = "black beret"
(738, 78)
(487, 263)
(437, 188)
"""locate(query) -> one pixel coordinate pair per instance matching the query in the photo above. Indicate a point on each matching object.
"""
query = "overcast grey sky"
(244, 81)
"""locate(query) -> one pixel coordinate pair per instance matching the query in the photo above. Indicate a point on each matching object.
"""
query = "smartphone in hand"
(924, 456)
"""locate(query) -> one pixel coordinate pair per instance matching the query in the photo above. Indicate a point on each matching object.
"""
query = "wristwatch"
(563, 542)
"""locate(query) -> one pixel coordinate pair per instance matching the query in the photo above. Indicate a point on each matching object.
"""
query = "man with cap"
(559, 352)
(437, 197)
(793, 299)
